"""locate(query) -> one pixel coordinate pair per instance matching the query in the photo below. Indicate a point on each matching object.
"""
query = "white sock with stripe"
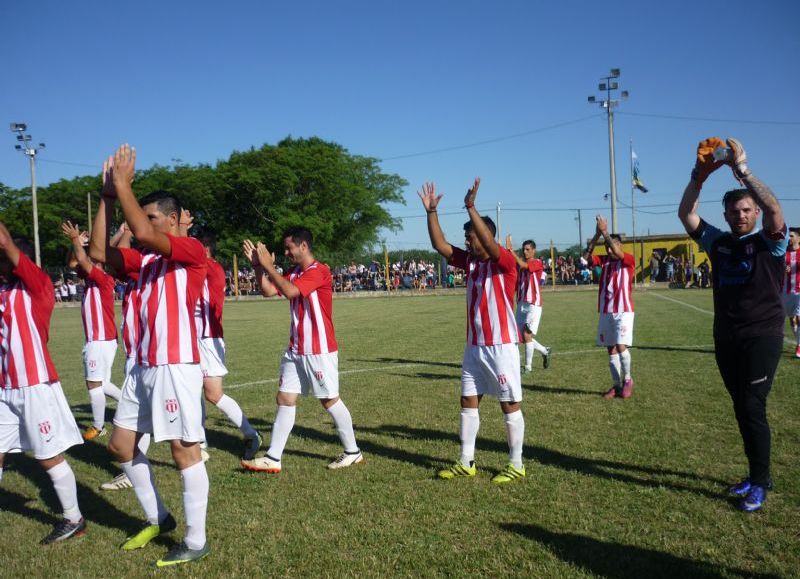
(539, 348)
(515, 433)
(614, 367)
(281, 428)
(233, 411)
(468, 432)
(344, 426)
(140, 474)
(112, 391)
(98, 402)
(529, 355)
(625, 364)
(144, 443)
(66, 490)
(195, 504)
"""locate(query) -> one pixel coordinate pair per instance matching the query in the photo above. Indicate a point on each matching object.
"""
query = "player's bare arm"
(510, 247)
(430, 201)
(77, 253)
(613, 246)
(773, 215)
(123, 173)
(705, 164)
(186, 222)
(267, 289)
(8, 246)
(283, 285)
(122, 238)
(100, 249)
(482, 232)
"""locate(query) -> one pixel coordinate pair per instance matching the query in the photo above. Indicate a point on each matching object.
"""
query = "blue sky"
(397, 80)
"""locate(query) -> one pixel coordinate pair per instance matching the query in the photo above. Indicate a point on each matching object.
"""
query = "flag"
(637, 182)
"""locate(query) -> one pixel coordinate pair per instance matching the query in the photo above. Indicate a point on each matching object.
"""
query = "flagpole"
(633, 217)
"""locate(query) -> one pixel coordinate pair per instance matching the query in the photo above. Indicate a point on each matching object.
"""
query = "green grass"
(614, 488)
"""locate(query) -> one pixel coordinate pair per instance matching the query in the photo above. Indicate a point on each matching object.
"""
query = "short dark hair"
(487, 220)
(616, 236)
(735, 195)
(795, 230)
(300, 234)
(530, 242)
(209, 240)
(166, 202)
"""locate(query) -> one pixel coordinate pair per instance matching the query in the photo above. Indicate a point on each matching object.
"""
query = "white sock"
(233, 411)
(468, 432)
(98, 401)
(144, 443)
(625, 364)
(515, 432)
(1, 473)
(195, 504)
(67, 490)
(539, 348)
(112, 391)
(344, 426)
(528, 355)
(797, 334)
(614, 366)
(141, 476)
(281, 428)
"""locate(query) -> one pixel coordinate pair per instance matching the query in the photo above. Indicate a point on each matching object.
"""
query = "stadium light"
(30, 151)
(608, 104)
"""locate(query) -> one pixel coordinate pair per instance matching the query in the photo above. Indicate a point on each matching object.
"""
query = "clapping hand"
(472, 192)
(430, 200)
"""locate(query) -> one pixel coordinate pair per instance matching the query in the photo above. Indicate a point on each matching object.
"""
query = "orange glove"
(706, 164)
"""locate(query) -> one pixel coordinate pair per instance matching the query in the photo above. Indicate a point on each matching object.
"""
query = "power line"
(710, 120)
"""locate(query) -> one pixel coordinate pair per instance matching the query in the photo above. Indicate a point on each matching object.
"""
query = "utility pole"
(608, 103)
(580, 232)
(498, 223)
(24, 145)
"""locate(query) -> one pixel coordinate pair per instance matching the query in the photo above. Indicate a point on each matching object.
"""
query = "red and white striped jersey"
(97, 307)
(792, 283)
(311, 331)
(168, 290)
(26, 305)
(616, 284)
(528, 285)
(208, 314)
(130, 315)
(490, 297)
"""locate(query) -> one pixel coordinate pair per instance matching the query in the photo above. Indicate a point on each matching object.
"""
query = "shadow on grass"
(675, 349)
(611, 559)
(558, 390)
(388, 360)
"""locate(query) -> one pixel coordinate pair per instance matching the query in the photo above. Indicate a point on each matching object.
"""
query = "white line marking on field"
(342, 373)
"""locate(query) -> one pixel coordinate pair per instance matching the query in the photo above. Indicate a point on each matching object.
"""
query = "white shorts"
(791, 304)
(492, 370)
(98, 359)
(613, 329)
(212, 357)
(528, 315)
(165, 401)
(38, 419)
(130, 362)
(316, 374)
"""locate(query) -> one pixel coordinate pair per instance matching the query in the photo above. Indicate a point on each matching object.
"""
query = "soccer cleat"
(347, 459)
(148, 532)
(118, 483)
(754, 499)
(93, 432)
(204, 456)
(508, 474)
(459, 469)
(612, 392)
(797, 351)
(627, 388)
(742, 488)
(262, 464)
(180, 553)
(65, 530)
(251, 446)
(526, 370)
(546, 358)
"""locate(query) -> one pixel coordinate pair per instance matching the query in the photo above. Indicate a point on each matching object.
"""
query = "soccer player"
(529, 301)
(615, 326)
(491, 355)
(748, 266)
(162, 395)
(99, 327)
(212, 349)
(791, 289)
(310, 364)
(34, 414)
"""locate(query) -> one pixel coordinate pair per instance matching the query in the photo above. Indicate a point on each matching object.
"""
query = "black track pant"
(747, 367)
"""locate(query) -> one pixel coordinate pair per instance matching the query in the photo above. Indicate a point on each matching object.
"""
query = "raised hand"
(124, 165)
(71, 231)
(509, 243)
(250, 252)
(737, 159)
(186, 221)
(266, 258)
(430, 200)
(602, 224)
(108, 179)
(706, 164)
(5, 237)
(472, 192)
(84, 238)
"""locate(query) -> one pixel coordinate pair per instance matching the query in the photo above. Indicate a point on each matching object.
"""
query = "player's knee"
(212, 396)
(328, 402)
(470, 401)
(284, 399)
(120, 452)
(92, 385)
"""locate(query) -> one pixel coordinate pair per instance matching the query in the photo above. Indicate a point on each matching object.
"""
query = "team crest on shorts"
(45, 428)
(501, 379)
(171, 405)
(319, 376)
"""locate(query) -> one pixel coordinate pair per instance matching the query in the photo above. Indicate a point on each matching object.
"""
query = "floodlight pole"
(608, 103)
(30, 151)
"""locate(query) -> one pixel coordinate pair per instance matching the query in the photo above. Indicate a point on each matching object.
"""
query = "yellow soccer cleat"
(508, 474)
(92, 432)
(459, 469)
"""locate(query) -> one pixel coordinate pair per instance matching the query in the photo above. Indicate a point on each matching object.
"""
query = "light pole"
(608, 103)
(24, 145)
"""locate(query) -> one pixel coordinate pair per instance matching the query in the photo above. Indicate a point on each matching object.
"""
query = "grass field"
(632, 489)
